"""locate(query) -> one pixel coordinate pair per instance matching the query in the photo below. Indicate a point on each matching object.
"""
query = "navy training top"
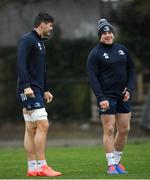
(110, 70)
(31, 66)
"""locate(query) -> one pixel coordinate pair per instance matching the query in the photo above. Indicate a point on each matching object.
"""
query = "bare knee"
(124, 130)
(108, 124)
(43, 126)
(109, 131)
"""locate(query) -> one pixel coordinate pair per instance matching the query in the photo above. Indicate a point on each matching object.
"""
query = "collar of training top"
(107, 45)
(37, 35)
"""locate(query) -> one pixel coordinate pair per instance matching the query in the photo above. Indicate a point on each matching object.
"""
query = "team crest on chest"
(106, 56)
(40, 46)
(120, 52)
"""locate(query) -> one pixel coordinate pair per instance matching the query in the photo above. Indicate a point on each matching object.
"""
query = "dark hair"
(42, 17)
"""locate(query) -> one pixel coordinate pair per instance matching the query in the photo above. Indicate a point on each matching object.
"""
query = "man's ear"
(42, 25)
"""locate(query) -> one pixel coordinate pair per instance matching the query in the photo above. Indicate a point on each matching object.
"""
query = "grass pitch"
(79, 162)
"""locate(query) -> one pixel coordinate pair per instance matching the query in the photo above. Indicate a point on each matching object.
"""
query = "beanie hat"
(104, 26)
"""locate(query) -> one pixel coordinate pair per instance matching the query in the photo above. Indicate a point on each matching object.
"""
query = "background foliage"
(66, 63)
(133, 20)
(67, 79)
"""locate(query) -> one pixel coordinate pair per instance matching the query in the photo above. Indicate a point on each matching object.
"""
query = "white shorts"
(36, 115)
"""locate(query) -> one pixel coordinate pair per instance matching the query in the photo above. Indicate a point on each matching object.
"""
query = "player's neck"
(39, 32)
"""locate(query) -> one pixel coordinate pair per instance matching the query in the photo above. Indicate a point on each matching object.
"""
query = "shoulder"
(94, 51)
(122, 46)
(27, 38)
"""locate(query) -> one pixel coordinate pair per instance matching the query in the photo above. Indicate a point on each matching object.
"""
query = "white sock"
(110, 158)
(117, 156)
(32, 165)
(41, 163)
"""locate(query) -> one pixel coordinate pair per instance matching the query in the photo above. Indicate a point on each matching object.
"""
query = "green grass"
(80, 162)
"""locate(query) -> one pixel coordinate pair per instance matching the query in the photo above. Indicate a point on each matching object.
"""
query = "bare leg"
(30, 130)
(40, 143)
(108, 136)
(40, 138)
(123, 127)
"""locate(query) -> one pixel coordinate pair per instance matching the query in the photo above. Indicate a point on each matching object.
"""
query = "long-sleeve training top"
(110, 70)
(31, 66)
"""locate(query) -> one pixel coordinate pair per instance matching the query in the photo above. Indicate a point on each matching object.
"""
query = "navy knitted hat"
(104, 26)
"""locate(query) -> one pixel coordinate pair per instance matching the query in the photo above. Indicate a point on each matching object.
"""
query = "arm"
(47, 95)
(130, 79)
(92, 68)
(130, 74)
(45, 80)
(23, 51)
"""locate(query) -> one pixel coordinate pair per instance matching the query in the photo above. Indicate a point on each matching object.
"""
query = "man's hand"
(104, 105)
(29, 92)
(126, 94)
(48, 96)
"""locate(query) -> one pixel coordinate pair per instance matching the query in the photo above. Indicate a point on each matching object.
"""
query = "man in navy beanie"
(111, 75)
